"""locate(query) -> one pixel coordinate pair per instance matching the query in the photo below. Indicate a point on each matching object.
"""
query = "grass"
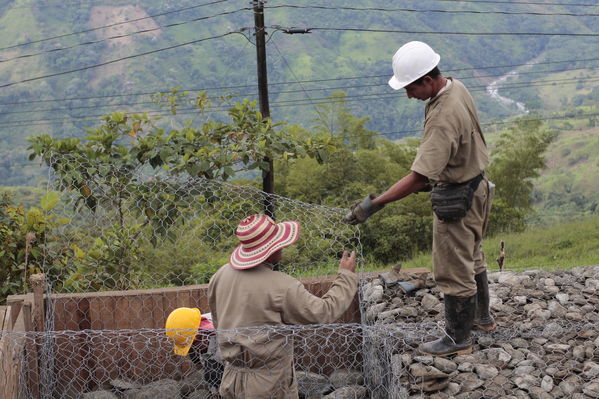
(560, 246)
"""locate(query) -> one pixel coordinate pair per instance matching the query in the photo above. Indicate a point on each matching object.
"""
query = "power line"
(519, 2)
(453, 33)
(433, 10)
(307, 81)
(541, 118)
(114, 24)
(281, 103)
(293, 74)
(122, 35)
(61, 4)
(305, 90)
(405, 132)
(118, 59)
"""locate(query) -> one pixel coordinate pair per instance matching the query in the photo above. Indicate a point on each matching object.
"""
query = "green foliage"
(106, 168)
(113, 261)
(404, 228)
(394, 237)
(23, 195)
(397, 232)
(516, 162)
(103, 167)
(28, 241)
(327, 55)
(334, 118)
(210, 150)
(506, 218)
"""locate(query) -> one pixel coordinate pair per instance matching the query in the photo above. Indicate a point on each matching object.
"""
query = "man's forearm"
(409, 184)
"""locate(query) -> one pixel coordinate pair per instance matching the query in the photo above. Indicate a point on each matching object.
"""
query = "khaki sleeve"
(301, 307)
(435, 151)
(212, 300)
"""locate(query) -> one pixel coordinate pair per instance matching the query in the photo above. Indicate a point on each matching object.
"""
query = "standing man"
(452, 156)
(247, 292)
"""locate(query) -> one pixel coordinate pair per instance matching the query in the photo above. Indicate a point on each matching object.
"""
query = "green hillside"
(324, 60)
(568, 187)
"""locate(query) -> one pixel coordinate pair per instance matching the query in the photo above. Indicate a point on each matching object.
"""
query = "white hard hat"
(413, 60)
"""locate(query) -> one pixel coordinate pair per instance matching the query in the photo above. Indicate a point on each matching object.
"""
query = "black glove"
(362, 210)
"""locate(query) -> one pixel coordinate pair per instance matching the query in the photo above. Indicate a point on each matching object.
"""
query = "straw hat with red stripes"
(261, 237)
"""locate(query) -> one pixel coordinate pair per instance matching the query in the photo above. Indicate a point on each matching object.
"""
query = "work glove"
(362, 210)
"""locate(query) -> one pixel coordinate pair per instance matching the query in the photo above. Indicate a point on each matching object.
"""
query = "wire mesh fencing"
(546, 346)
(319, 361)
(126, 230)
(131, 246)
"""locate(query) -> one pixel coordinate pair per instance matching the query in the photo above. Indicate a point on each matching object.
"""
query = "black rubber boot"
(459, 317)
(482, 318)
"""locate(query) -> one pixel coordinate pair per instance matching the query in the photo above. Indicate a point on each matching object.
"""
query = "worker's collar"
(448, 83)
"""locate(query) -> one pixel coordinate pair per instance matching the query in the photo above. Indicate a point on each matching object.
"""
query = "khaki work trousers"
(247, 383)
(457, 246)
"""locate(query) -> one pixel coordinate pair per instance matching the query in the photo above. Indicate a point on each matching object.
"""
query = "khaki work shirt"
(453, 149)
(259, 361)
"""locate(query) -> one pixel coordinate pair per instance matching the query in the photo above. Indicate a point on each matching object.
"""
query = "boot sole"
(491, 327)
(465, 351)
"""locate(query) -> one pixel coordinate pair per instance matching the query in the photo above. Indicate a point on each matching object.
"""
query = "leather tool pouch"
(452, 201)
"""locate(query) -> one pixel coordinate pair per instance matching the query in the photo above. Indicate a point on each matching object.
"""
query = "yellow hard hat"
(182, 326)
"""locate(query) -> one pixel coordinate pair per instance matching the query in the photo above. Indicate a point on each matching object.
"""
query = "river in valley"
(493, 88)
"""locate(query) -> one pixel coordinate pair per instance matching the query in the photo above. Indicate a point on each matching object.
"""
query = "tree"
(516, 162)
(108, 170)
(28, 241)
(334, 118)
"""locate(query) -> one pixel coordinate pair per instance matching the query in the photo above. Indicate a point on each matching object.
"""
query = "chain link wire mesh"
(134, 245)
(330, 361)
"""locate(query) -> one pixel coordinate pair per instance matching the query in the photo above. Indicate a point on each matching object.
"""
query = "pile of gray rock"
(341, 384)
(546, 345)
(193, 386)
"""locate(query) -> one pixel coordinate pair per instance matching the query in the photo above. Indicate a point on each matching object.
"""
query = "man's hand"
(348, 262)
(362, 210)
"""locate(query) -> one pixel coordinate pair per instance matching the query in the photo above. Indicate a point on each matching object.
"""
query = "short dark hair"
(434, 73)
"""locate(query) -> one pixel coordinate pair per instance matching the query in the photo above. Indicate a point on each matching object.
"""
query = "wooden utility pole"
(268, 178)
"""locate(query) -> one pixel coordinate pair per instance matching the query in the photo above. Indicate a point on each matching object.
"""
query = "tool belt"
(452, 202)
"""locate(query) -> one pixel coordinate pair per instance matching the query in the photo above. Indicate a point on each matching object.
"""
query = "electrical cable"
(305, 90)
(119, 59)
(61, 4)
(122, 35)
(294, 75)
(519, 3)
(305, 81)
(321, 28)
(405, 132)
(114, 24)
(402, 132)
(431, 10)
(282, 103)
